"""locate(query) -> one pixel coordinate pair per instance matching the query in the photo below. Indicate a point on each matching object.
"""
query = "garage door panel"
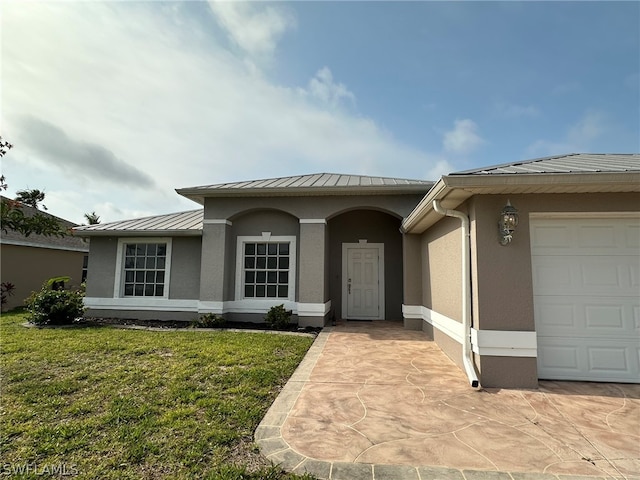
(549, 238)
(558, 358)
(577, 359)
(585, 236)
(600, 236)
(556, 315)
(606, 360)
(586, 275)
(632, 237)
(586, 281)
(578, 316)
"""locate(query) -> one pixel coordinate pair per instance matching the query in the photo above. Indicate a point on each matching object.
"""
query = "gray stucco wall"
(412, 263)
(253, 224)
(442, 268)
(505, 271)
(375, 227)
(310, 207)
(102, 267)
(185, 268)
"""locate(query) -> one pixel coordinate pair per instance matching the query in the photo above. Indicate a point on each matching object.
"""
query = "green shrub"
(278, 318)
(209, 320)
(53, 305)
(6, 289)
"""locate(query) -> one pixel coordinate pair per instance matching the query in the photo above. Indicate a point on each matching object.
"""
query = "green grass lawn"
(114, 403)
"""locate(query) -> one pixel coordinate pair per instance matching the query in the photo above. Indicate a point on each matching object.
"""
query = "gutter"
(467, 360)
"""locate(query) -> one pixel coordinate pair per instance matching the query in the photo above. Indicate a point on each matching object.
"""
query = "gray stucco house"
(550, 294)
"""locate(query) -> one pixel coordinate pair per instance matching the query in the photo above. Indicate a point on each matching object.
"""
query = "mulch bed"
(177, 324)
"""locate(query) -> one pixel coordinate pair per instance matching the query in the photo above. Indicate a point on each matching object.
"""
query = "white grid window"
(266, 270)
(144, 269)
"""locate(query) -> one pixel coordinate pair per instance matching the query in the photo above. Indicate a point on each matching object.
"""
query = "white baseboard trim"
(196, 306)
(313, 309)
(499, 343)
(443, 323)
(141, 303)
(504, 343)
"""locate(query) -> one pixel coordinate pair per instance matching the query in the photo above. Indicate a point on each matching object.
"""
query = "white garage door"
(586, 291)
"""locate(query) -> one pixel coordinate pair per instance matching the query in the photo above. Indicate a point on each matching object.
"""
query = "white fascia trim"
(216, 221)
(141, 303)
(499, 343)
(322, 221)
(502, 343)
(314, 309)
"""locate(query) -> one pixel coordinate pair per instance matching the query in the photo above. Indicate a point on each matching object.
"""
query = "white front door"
(363, 281)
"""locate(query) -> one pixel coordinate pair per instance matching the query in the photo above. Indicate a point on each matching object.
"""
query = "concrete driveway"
(374, 401)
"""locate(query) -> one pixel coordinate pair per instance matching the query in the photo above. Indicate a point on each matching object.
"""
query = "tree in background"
(12, 216)
(92, 218)
(33, 198)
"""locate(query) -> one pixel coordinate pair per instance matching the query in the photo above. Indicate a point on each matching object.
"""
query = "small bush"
(278, 318)
(53, 305)
(209, 320)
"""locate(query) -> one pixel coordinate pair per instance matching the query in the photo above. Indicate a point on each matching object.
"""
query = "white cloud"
(164, 98)
(591, 126)
(254, 27)
(323, 88)
(510, 110)
(578, 137)
(463, 139)
(441, 167)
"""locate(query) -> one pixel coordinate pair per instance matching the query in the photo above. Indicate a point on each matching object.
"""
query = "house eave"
(138, 233)
(453, 190)
(199, 194)
(24, 243)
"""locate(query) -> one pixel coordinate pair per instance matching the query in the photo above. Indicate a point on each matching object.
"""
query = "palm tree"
(92, 218)
(31, 197)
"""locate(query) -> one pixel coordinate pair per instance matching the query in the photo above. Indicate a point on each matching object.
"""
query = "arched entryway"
(365, 265)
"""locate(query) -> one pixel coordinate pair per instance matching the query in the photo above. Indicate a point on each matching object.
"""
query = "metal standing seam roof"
(571, 163)
(318, 181)
(573, 173)
(184, 223)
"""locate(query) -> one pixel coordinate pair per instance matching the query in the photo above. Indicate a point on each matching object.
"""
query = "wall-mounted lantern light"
(508, 223)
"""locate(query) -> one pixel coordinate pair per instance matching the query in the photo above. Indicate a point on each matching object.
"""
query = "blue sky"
(112, 105)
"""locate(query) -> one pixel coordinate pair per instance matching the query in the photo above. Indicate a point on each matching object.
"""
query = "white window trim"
(262, 302)
(118, 287)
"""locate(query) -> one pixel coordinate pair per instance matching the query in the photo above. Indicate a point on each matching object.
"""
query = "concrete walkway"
(374, 401)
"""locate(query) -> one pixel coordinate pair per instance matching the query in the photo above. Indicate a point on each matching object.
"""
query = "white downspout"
(467, 360)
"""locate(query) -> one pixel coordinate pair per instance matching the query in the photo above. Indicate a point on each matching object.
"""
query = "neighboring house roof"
(181, 223)
(573, 173)
(68, 242)
(314, 184)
